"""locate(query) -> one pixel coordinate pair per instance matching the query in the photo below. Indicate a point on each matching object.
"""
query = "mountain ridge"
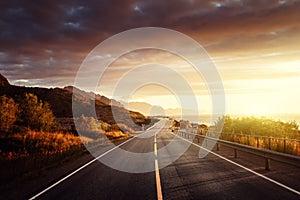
(60, 100)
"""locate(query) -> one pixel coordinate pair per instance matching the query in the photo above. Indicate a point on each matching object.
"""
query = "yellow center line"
(158, 185)
(157, 176)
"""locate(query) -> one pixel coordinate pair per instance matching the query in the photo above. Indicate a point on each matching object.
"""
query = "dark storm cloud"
(50, 21)
(43, 39)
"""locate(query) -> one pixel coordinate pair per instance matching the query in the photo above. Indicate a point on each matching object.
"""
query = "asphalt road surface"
(173, 170)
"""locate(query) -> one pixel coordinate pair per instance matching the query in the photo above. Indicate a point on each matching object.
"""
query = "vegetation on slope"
(260, 126)
(261, 132)
(60, 102)
(31, 137)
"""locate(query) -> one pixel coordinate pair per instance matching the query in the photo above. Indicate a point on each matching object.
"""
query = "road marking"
(79, 169)
(157, 176)
(155, 149)
(92, 161)
(243, 167)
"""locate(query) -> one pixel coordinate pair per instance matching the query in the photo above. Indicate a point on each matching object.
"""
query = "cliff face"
(3, 81)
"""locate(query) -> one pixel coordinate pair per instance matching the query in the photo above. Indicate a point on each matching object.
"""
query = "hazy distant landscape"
(206, 118)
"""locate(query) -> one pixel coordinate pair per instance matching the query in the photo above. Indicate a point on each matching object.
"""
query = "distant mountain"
(60, 100)
(142, 107)
(147, 109)
(150, 110)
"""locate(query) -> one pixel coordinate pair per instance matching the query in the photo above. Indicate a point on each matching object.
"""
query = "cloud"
(51, 39)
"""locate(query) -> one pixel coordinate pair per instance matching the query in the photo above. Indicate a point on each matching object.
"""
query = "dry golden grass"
(34, 151)
(18, 145)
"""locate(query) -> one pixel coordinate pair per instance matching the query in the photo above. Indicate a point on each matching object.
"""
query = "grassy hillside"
(30, 143)
(60, 101)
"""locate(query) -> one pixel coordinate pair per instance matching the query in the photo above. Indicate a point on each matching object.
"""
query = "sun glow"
(258, 110)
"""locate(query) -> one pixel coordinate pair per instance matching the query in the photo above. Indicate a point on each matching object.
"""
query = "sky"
(255, 46)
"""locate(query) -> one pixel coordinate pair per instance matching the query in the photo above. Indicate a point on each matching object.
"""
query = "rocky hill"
(60, 100)
(92, 95)
(3, 81)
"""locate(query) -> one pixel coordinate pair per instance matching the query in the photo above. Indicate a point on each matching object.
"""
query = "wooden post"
(257, 142)
(248, 140)
(270, 143)
(198, 140)
(218, 147)
(267, 166)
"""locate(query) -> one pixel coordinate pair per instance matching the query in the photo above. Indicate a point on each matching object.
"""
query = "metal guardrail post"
(235, 153)
(284, 145)
(267, 166)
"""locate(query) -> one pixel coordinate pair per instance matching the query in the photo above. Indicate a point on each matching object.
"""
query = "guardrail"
(265, 153)
(283, 145)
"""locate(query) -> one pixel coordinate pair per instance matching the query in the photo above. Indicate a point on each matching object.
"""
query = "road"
(189, 177)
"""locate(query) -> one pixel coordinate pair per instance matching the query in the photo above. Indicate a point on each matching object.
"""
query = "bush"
(89, 127)
(259, 126)
(8, 113)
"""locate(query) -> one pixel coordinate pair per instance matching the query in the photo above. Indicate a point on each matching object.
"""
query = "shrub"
(8, 113)
(89, 127)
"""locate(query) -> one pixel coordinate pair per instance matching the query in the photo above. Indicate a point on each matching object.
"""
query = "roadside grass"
(27, 155)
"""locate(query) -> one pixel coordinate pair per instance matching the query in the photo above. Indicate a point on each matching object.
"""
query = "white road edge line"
(243, 167)
(157, 176)
(77, 170)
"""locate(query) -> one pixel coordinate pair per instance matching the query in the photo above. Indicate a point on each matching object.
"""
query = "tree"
(8, 113)
(36, 114)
